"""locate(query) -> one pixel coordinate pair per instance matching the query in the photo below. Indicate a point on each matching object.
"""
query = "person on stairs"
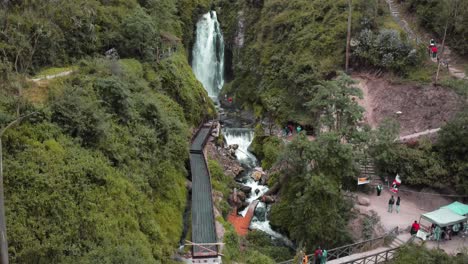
(391, 202)
(398, 205)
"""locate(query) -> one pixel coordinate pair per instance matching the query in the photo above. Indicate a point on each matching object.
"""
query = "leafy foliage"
(385, 50)
(311, 192)
(440, 165)
(421, 254)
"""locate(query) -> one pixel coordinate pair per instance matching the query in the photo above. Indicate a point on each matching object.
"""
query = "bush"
(385, 50)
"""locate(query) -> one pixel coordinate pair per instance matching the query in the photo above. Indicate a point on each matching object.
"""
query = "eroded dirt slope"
(422, 107)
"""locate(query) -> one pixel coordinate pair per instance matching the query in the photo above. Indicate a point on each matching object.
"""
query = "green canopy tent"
(443, 217)
(458, 208)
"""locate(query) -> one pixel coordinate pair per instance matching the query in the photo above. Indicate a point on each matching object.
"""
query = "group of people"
(320, 257)
(391, 202)
(445, 233)
(288, 130)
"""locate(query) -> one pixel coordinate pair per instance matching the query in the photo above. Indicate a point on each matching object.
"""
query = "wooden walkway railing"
(358, 247)
(379, 257)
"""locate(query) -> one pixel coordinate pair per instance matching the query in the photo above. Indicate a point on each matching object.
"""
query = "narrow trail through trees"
(395, 11)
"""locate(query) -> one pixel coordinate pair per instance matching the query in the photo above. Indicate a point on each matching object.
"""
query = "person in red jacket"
(434, 51)
(414, 228)
(318, 255)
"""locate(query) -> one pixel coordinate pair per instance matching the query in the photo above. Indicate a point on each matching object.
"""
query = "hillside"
(96, 171)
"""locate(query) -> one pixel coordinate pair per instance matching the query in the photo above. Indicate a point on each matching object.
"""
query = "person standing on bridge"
(391, 202)
(324, 256)
(318, 255)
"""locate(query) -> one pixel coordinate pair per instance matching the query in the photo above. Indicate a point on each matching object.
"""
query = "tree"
(452, 144)
(333, 105)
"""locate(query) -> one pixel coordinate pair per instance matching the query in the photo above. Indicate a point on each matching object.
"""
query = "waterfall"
(208, 54)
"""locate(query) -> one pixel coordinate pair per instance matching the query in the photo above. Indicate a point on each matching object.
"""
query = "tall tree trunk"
(441, 53)
(348, 38)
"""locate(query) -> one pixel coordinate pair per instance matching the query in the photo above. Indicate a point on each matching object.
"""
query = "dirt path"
(448, 56)
(53, 76)
(366, 102)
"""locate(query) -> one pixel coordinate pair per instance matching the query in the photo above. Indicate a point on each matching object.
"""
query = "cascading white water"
(208, 54)
(243, 138)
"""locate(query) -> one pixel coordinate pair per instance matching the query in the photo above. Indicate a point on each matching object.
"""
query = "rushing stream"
(243, 138)
(208, 67)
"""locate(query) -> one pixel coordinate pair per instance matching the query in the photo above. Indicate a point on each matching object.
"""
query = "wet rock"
(241, 195)
(264, 179)
(260, 213)
(245, 189)
(267, 199)
(257, 191)
(257, 174)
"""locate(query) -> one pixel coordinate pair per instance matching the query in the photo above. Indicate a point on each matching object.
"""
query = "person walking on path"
(324, 256)
(318, 255)
(391, 202)
(379, 189)
(398, 205)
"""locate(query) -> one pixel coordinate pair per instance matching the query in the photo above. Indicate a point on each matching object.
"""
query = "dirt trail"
(448, 57)
(53, 76)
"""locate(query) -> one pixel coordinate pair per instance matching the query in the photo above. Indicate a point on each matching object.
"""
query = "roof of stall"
(443, 217)
(458, 208)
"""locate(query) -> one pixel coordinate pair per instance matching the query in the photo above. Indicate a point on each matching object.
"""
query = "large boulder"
(267, 199)
(363, 201)
(245, 189)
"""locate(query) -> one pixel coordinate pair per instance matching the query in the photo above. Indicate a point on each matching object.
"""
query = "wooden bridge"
(204, 241)
(370, 251)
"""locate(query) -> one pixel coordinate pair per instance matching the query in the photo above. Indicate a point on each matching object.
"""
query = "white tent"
(443, 217)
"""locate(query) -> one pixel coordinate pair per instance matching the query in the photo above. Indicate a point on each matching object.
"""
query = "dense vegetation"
(421, 255)
(310, 191)
(96, 172)
(440, 165)
(291, 46)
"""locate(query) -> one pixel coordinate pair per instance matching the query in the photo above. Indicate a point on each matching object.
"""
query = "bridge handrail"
(375, 258)
(350, 249)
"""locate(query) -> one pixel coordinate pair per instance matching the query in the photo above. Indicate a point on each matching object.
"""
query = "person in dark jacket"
(391, 202)
(398, 205)
(379, 189)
